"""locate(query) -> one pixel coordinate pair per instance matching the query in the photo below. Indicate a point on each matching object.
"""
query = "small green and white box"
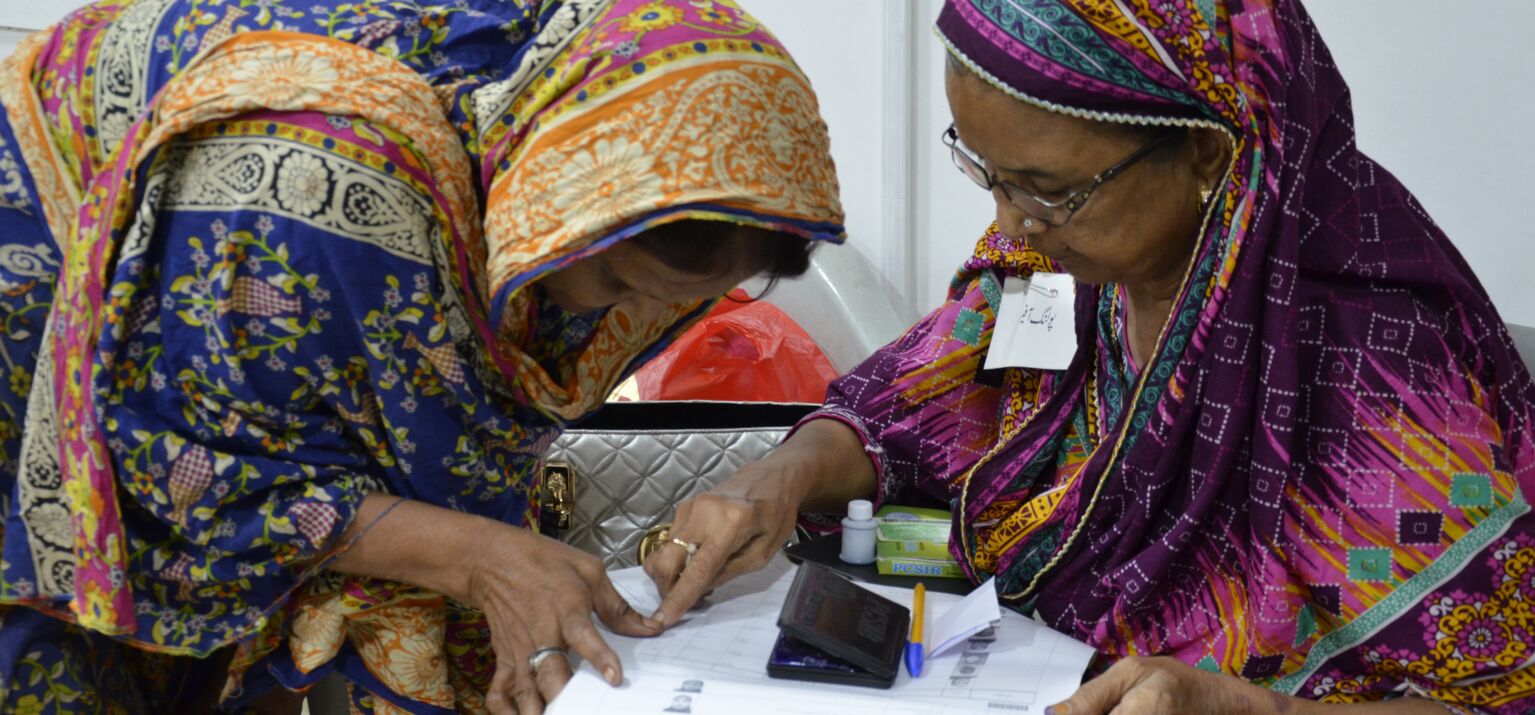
(914, 541)
(925, 568)
(935, 550)
(911, 523)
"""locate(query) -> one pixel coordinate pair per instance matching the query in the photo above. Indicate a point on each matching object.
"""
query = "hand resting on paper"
(741, 524)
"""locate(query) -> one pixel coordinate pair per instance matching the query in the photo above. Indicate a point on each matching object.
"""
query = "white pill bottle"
(859, 532)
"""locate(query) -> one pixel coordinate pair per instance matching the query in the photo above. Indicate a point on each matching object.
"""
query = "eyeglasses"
(1054, 213)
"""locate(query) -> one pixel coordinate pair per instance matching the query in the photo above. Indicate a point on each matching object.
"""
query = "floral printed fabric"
(306, 274)
(260, 385)
(55, 667)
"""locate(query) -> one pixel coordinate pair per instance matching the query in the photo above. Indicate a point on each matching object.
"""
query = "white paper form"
(1017, 666)
(660, 690)
(975, 613)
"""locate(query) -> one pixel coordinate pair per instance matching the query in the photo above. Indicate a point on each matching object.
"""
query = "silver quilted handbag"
(613, 477)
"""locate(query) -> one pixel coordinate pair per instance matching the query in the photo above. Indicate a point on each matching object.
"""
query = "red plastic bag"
(739, 352)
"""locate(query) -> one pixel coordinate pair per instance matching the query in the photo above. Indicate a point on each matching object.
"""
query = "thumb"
(617, 614)
(1099, 695)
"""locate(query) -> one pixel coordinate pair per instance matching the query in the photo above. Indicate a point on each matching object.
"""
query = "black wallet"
(833, 631)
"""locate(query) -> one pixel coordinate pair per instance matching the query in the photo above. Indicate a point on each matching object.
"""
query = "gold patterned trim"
(56, 192)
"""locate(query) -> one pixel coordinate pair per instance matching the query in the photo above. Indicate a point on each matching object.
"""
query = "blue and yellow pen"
(914, 646)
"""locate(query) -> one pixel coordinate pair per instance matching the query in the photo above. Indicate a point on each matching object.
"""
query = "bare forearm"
(415, 543)
(828, 464)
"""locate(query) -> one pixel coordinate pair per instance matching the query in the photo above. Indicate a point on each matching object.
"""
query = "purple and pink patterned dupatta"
(1316, 481)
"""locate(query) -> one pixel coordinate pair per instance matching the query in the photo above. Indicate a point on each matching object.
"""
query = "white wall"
(855, 53)
(1440, 98)
(879, 74)
(953, 212)
(19, 17)
(1444, 100)
(8, 40)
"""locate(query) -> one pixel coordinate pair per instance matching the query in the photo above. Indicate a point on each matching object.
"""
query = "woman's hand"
(1159, 686)
(535, 592)
(739, 526)
(539, 593)
(1167, 686)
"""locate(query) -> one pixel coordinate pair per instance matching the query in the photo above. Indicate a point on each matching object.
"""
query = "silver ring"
(542, 654)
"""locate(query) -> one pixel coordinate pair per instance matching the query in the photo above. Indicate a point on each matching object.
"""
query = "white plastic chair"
(842, 302)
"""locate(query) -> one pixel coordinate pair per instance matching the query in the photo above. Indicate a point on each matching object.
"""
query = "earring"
(1204, 197)
(1028, 223)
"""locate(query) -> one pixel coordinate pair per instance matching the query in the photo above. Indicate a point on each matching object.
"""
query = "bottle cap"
(860, 509)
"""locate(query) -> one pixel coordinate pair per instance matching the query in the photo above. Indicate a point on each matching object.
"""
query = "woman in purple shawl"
(1286, 462)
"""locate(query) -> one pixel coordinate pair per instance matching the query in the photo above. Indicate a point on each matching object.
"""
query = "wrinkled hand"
(537, 592)
(1166, 686)
(739, 527)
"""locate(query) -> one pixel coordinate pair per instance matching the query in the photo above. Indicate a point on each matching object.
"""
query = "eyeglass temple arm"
(1081, 197)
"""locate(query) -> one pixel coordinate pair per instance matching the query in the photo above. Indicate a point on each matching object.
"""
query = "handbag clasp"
(655, 537)
(557, 508)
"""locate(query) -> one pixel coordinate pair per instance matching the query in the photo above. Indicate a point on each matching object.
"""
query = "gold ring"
(690, 547)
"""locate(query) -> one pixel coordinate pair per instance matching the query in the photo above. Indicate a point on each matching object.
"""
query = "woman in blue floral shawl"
(294, 298)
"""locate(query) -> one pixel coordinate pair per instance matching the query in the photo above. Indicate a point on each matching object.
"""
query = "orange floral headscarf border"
(627, 115)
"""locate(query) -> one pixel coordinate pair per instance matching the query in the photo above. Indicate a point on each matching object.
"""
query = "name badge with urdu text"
(1036, 323)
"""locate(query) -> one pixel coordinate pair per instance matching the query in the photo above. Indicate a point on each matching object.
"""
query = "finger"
(512, 644)
(584, 639)
(497, 699)
(665, 565)
(553, 670)
(751, 557)
(696, 578)
(1100, 695)
(1144, 700)
(671, 559)
(617, 614)
(551, 676)
(525, 692)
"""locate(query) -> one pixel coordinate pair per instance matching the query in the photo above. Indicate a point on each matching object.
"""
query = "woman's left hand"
(1166, 686)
